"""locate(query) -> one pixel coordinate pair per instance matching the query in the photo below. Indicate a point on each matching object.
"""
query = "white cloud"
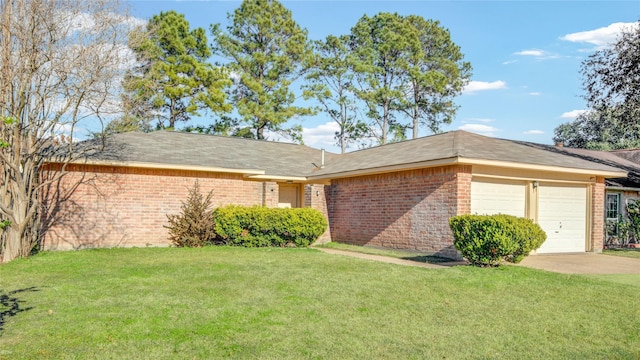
(321, 136)
(572, 114)
(481, 129)
(475, 86)
(533, 52)
(509, 62)
(533, 132)
(600, 37)
(535, 93)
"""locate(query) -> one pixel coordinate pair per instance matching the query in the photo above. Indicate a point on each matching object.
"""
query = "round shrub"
(486, 240)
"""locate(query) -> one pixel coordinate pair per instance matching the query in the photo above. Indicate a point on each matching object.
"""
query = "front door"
(289, 196)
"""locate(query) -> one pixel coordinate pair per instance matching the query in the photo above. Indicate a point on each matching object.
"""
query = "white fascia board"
(550, 168)
(276, 178)
(147, 165)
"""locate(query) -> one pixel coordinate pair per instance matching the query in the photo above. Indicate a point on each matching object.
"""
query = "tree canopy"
(331, 83)
(611, 81)
(407, 72)
(266, 51)
(173, 79)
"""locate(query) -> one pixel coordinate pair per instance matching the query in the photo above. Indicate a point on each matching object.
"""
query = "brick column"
(597, 215)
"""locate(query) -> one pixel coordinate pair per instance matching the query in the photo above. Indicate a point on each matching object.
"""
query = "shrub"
(260, 226)
(486, 240)
(194, 226)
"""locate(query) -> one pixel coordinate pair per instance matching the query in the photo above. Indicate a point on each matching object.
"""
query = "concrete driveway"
(587, 263)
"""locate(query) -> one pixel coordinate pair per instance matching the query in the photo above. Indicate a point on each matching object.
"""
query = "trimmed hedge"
(260, 226)
(486, 240)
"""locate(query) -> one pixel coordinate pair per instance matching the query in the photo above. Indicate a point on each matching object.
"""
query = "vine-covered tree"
(611, 81)
(266, 51)
(173, 79)
(330, 82)
(58, 62)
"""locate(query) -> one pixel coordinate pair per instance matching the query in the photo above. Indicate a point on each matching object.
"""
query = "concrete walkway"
(391, 260)
(587, 263)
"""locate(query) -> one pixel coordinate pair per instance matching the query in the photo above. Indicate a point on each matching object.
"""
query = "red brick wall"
(597, 218)
(405, 210)
(316, 198)
(102, 206)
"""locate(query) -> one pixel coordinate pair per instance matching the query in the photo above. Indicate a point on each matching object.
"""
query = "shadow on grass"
(428, 259)
(11, 305)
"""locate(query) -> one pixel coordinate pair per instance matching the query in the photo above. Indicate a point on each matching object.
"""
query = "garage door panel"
(498, 198)
(562, 213)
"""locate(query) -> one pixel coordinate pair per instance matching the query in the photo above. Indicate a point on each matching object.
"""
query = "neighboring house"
(619, 191)
(398, 195)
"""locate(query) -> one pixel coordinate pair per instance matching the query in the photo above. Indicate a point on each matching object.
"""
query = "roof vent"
(559, 144)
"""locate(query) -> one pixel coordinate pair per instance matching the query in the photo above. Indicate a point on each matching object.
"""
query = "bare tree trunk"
(416, 121)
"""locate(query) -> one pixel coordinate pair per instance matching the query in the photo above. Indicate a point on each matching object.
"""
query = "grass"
(399, 254)
(632, 253)
(302, 304)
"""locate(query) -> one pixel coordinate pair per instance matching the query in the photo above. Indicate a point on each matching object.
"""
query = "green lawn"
(633, 253)
(301, 303)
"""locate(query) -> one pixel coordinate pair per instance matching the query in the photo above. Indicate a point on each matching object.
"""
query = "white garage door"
(498, 198)
(562, 214)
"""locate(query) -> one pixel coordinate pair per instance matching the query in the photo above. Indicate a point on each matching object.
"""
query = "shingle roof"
(180, 149)
(626, 160)
(455, 144)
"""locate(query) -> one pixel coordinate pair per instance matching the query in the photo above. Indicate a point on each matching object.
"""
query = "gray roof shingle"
(455, 144)
(181, 149)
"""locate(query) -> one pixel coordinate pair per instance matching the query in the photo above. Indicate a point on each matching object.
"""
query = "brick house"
(398, 195)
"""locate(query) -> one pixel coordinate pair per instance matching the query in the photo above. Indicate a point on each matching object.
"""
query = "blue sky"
(525, 55)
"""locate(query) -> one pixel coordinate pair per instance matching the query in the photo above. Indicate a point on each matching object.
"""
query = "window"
(612, 206)
(612, 210)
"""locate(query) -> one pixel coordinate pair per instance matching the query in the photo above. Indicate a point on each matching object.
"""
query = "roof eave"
(385, 169)
(550, 168)
(148, 165)
(623, 188)
(467, 161)
(296, 179)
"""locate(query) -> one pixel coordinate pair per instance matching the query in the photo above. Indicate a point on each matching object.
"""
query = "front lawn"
(301, 303)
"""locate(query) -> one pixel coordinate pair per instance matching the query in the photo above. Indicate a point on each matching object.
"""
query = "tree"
(435, 75)
(599, 130)
(330, 82)
(611, 81)
(380, 47)
(173, 79)
(266, 52)
(408, 73)
(60, 64)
